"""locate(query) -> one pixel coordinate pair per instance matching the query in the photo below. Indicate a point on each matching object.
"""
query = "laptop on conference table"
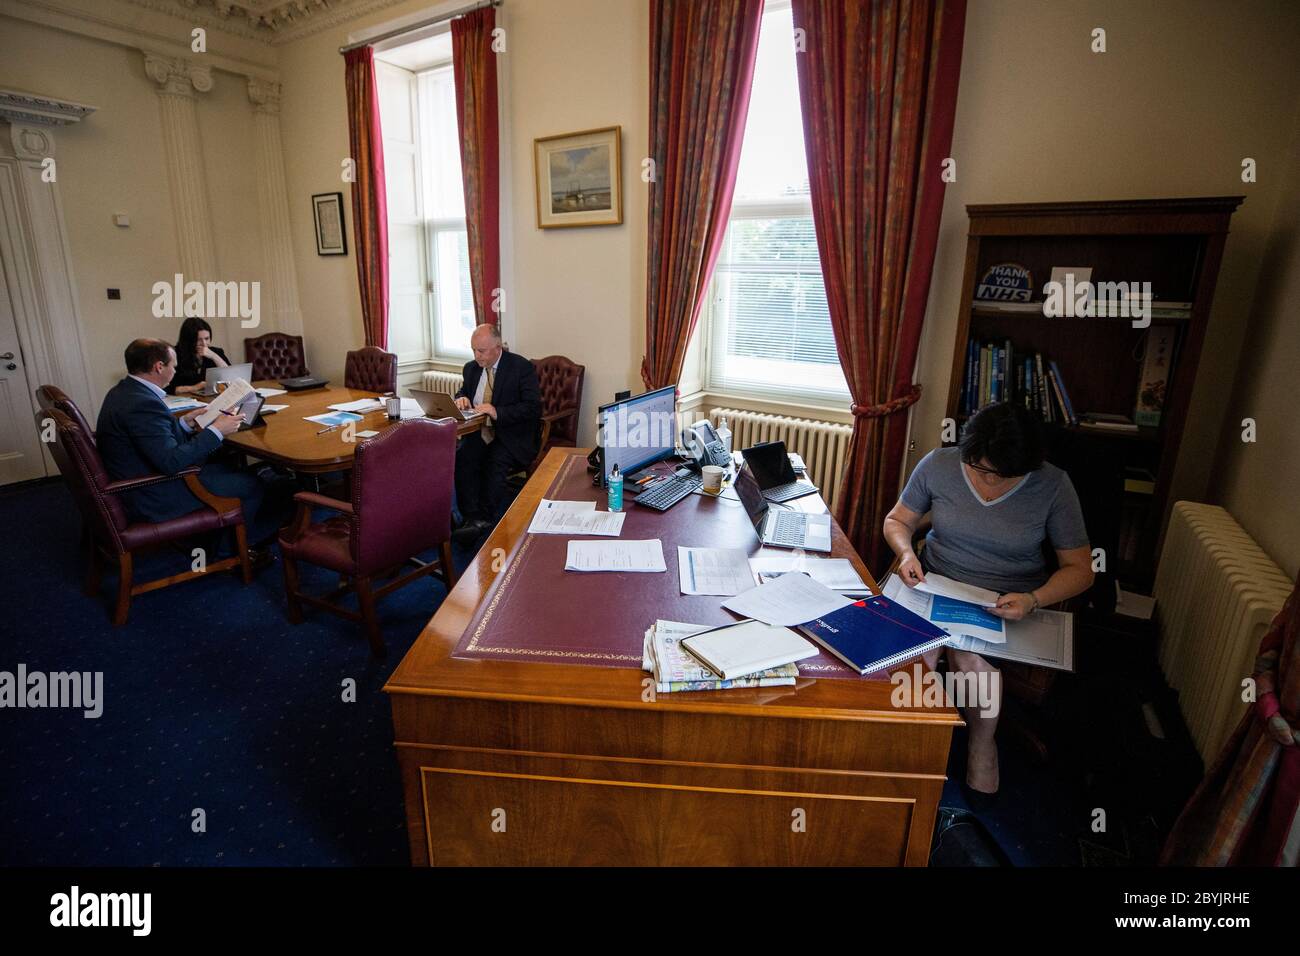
(226, 374)
(441, 405)
(781, 527)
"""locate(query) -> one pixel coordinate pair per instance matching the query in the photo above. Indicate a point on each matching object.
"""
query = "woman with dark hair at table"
(993, 503)
(195, 354)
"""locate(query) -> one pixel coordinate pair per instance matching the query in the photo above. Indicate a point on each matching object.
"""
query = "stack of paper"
(738, 650)
(271, 392)
(616, 556)
(675, 670)
(835, 573)
(178, 403)
(723, 571)
(575, 517)
(362, 406)
(786, 601)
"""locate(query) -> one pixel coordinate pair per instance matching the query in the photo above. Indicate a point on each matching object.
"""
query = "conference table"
(528, 733)
(288, 439)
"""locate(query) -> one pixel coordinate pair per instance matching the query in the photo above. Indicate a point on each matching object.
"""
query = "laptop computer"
(781, 527)
(441, 405)
(227, 374)
(774, 473)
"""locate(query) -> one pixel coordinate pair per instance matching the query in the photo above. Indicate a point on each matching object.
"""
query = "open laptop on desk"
(781, 527)
(775, 475)
(227, 374)
(441, 405)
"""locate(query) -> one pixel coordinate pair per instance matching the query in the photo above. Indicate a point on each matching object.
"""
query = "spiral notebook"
(874, 634)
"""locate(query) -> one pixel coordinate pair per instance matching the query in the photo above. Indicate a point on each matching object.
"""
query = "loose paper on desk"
(723, 571)
(235, 392)
(271, 392)
(272, 409)
(616, 556)
(957, 590)
(362, 406)
(566, 521)
(786, 601)
(411, 409)
(958, 618)
(837, 574)
(333, 419)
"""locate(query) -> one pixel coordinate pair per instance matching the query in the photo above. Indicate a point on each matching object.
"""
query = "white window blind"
(767, 326)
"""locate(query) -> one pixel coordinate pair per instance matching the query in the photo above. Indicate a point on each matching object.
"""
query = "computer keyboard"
(662, 495)
(791, 528)
(791, 489)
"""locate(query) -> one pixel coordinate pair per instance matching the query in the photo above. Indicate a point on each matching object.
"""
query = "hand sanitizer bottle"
(615, 490)
(724, 433)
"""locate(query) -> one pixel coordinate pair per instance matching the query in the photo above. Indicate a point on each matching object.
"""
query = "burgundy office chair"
(112, 534)
(401, 506)
(51, 396)
(371, 369)
(560, 382)
(276, 355)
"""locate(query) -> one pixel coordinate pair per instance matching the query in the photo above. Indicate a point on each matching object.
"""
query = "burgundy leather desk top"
(537, 611)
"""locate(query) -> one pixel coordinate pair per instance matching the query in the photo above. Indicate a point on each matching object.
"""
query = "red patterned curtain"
(701, 70)
(475, 67)
(878, 83)
(369, 198)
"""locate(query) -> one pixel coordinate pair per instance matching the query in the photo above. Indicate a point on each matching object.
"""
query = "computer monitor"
(638, 431)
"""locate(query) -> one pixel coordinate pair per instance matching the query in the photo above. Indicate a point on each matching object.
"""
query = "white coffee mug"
(713, 479)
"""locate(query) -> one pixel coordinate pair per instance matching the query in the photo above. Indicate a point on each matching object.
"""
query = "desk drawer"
(513, 809)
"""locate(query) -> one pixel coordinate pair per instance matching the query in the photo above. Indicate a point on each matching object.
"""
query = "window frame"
(707, 328)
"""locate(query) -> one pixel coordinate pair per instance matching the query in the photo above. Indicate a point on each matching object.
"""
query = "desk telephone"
(703, 445)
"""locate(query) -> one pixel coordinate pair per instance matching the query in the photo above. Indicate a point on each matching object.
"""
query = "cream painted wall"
(113, 162)
(575, 292)
(1186, 89)
(1257, 481)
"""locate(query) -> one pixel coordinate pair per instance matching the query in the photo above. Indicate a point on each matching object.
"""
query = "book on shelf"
(1157, 361)
(1106, 420)
(997, 372)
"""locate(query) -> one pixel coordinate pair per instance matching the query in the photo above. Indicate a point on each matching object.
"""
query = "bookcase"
(1123, 476)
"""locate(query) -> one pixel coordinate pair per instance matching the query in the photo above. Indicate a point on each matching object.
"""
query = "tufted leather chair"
(371, 369)
(401, 506)
(560, 382)
(112, 534)
(276, 355)
(51, 396)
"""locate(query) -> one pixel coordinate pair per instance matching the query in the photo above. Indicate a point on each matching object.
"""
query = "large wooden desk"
(289, 440)
(580, 768)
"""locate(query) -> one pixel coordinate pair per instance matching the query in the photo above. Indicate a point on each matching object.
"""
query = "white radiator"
(1216, 593)
(448, 382)
(823, 446)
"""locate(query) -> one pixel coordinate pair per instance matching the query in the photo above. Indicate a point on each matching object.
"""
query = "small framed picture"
(331, 236)
(579, 179)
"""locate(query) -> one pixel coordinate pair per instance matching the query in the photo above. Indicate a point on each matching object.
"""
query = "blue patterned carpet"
(212, 700)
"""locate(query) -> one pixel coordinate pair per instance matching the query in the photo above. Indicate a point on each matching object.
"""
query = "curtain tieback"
(887, 408)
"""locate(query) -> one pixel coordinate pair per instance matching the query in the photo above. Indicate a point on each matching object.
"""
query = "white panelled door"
(20, 443)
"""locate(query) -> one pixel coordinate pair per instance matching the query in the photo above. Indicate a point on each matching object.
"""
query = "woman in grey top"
(993, 502)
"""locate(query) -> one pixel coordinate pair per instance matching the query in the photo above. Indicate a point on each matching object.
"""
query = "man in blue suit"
(503, 386)
(138, 435)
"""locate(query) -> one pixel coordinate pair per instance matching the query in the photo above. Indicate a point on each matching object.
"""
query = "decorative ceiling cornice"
(30, 108)
(270, 21)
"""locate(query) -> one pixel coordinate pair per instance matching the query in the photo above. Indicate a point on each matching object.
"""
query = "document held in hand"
(235, 392)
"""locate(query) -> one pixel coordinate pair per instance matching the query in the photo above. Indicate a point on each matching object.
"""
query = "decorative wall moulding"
(270, 21)
(177, 76)
(28, 109)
